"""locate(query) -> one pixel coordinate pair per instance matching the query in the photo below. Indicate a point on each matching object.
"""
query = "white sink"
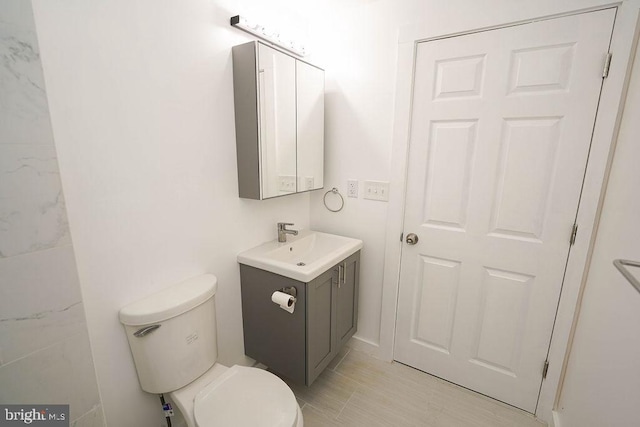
(303, 257)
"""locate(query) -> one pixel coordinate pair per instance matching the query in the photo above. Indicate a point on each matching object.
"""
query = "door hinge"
(545, 369)
(607, 65)
(574, 233)
(401, 236)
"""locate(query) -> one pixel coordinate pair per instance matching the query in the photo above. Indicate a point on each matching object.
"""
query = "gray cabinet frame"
(245, 94)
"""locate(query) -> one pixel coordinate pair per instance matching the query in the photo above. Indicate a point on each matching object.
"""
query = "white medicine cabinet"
(279, 115)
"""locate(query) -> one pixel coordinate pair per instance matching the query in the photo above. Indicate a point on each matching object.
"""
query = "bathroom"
(119, 178)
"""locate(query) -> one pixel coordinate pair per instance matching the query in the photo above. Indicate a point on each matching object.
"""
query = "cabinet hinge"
(545, 369)
(574, 233)
(401, 236)
(607, 65)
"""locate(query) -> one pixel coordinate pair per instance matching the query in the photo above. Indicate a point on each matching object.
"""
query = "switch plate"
(376, 190)
(352, 188)
(287, 183)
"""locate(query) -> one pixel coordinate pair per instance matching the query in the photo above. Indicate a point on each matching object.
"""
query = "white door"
(500, 135)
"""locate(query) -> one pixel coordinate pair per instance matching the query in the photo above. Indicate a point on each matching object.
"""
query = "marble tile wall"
(45, 357)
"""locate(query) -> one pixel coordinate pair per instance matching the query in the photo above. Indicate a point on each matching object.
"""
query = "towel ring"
(334, 190)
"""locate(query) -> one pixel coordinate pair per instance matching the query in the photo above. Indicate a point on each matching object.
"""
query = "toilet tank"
(172, 334)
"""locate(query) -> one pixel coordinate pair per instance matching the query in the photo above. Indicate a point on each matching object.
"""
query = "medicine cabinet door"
(310, 126)
(277, 121)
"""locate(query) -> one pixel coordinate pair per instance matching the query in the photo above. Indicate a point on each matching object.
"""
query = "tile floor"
(358, 390)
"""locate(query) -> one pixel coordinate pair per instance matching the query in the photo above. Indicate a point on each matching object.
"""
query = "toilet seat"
(246, 397)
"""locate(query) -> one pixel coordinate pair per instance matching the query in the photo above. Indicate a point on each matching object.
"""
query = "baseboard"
(364, 345)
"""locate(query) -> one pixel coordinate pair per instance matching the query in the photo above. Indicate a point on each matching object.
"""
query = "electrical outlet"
(308, 183)
(376, 190)
(352, 188)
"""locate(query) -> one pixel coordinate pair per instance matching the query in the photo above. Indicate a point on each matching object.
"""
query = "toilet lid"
(248, 397)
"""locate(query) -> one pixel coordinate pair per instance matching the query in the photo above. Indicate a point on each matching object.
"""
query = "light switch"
(376, 190)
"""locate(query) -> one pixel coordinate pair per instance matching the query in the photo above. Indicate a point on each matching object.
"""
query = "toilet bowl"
(172, 336)
(238, 396)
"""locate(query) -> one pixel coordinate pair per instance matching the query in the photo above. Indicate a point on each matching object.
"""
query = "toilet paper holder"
(291, 290)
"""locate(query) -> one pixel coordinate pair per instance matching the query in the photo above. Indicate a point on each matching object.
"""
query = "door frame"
(613, 95)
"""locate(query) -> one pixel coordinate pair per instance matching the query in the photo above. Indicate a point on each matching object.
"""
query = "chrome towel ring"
(334, 190)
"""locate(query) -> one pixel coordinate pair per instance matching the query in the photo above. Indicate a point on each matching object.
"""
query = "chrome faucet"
(282, 231)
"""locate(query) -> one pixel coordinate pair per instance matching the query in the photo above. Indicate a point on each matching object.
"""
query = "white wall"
(45, 356)
(602, 382)
(360, 57)
(141, 100)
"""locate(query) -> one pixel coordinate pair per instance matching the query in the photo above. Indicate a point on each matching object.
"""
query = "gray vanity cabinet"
(300, 345)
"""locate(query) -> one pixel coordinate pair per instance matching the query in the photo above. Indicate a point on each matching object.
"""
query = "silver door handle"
(412, 239)
(341, 274)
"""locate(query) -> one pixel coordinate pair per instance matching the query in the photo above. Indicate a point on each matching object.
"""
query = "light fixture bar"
(272, 37)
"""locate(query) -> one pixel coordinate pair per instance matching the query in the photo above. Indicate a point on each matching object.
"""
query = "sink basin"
(303, 257)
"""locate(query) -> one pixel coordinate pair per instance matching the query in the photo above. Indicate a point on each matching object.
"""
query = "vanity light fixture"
(244, 24)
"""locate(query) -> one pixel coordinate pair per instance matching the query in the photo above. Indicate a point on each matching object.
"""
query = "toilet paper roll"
(285, 301)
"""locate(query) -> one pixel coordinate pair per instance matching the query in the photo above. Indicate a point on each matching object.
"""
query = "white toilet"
(172, 335)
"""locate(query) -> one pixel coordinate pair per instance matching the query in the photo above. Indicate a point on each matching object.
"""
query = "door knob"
(412, 239)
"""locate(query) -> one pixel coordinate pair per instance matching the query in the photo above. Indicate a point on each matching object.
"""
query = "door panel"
(499, 328)
(500, 135)
(435, 303)
(527, 158)
(448, 178)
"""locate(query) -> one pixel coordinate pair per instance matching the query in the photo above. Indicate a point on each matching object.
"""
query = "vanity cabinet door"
(321, 342)
(347, 300)
(332, 313)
